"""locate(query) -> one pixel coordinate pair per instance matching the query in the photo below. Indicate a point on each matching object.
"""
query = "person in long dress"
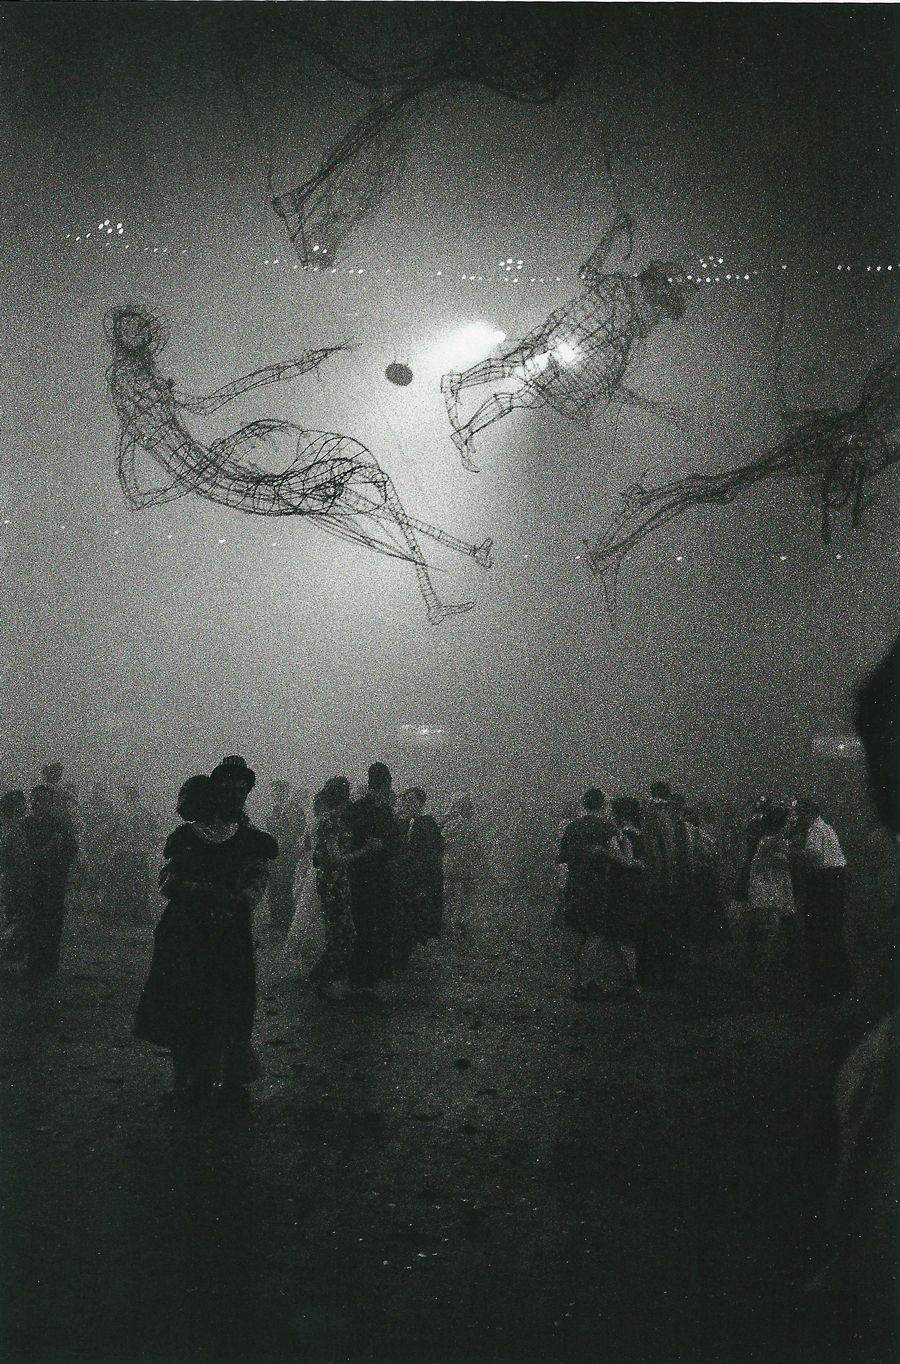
(625, 888)
(286, 823)
(332, 856)
(466, 869)
(200, 996)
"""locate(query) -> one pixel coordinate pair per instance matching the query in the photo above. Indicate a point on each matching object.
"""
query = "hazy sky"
(764, 135)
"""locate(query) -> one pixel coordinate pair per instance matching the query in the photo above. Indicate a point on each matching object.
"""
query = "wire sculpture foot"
(439, 613)
(484, 554)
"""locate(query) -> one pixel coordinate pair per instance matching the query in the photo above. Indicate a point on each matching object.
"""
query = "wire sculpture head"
(664, 288)
(135, 331)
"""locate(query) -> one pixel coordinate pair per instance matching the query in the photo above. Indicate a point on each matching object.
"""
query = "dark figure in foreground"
(200, 996)
(16, 874)
(373, 834)
(858, 1283)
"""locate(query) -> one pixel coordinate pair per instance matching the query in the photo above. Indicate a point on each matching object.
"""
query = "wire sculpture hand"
(575, 361)
(331, 479)
(841, 450)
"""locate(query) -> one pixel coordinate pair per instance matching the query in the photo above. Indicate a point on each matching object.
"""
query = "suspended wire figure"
(353, 180)
(575, 361)
(842, 450)
(331, 479)
(526, 56)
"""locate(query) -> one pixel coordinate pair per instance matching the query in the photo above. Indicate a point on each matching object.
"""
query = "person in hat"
(233, 781)
(200, 995)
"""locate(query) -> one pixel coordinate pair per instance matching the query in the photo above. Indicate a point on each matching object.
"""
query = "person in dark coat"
(200, 995)
(427, 844)
(418, 875)
(582, 848)
(373, 834)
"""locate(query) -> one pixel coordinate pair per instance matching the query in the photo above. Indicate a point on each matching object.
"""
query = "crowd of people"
(60, 854)
(645, 887)
(650, 884)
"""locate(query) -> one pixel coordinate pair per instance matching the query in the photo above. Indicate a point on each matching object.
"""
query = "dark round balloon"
(399, 374)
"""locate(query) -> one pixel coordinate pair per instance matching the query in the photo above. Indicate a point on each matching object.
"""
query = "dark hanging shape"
(399, 374)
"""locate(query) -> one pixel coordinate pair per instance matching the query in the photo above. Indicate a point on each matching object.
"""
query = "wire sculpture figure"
(527, 57)
(841, 450)
(575, 361)
(331, 479)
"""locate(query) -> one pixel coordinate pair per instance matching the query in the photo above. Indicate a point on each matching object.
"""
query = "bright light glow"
(467, 346)
(567, 353)
(534, 366)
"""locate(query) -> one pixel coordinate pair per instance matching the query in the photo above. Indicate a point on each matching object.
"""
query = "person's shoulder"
(180, 840)
(257, 842)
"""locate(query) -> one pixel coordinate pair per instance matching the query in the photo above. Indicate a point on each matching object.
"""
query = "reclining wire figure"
(331, 479)
(575, 361)
(842, 450)
(526, 56)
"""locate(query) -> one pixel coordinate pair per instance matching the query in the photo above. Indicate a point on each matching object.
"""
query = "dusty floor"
(482, 1169)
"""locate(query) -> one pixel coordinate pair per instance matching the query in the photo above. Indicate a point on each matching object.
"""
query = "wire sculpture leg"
(493, 409)
(387, 507)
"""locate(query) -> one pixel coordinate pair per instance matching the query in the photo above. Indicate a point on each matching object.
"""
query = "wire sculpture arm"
(260, 378)
(594, 270)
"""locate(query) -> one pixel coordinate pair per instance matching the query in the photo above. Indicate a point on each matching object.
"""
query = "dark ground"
(481, 1169)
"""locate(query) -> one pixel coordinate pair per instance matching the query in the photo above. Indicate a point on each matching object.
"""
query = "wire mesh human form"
(575, 361)
(841, 450)
(331, 479)
(526, 54)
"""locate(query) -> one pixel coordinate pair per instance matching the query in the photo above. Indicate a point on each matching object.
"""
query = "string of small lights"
(221, 540)
(510, 270)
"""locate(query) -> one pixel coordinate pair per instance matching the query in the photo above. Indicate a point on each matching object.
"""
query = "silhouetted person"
(859, 1281)
(373, 834)
(427, 847)
(200, 996)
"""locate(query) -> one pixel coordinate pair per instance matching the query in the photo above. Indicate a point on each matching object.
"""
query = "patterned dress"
(333, 843)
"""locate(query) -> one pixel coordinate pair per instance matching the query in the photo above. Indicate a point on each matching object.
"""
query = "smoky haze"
(151, 643)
